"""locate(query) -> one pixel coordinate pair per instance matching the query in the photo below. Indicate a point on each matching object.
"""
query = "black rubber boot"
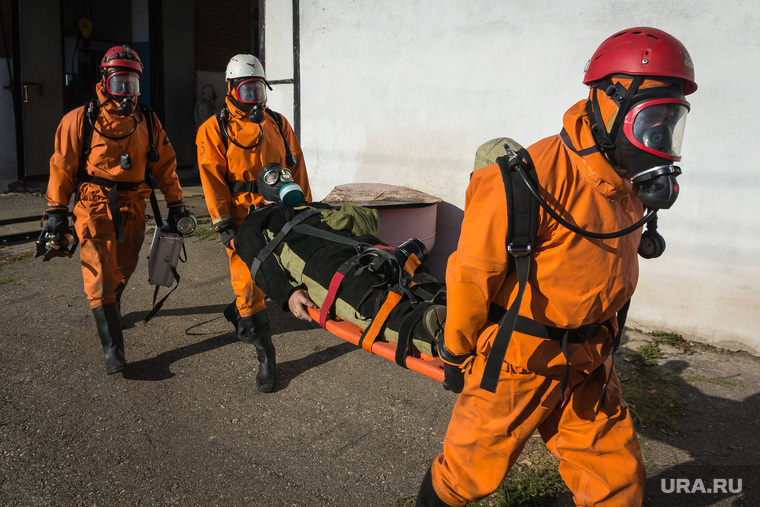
(427, 497)
(119, 291)
(257, 331)
(233, 316)
(108, 323)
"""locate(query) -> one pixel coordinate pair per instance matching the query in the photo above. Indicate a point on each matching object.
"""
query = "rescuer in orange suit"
(232, 148)
(109, 214)
(613, 158)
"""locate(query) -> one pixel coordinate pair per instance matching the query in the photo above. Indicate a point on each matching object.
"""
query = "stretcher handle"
(432, 367)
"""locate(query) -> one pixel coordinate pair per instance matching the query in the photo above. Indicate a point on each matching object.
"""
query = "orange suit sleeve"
(65, 160)
(212, 165)
(476, 271)
(165, 170)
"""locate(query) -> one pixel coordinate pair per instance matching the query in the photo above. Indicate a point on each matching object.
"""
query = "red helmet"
(121, 56)
(642, 51)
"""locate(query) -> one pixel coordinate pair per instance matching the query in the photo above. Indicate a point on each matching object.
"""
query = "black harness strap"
(622, 315)
(330, 236)
(113, 199)
(521, 234)
(264, 253)
(290, 160)
(243, 186)
(403, 346)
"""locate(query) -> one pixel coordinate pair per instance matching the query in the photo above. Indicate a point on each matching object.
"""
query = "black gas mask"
(124, 87)
(250, 95)
(275, 184)
(648, 144)
(645, 136)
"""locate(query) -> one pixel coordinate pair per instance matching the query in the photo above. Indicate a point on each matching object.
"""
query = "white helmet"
(244, 66)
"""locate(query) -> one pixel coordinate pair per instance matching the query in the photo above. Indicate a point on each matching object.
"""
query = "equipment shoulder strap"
(221, 127)
(290, 160)
(150, 122)
(88, 118)
(522, 228)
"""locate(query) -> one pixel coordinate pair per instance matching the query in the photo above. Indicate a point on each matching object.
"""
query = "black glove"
(226, 230)
(453, 376)
(57, 221)
(228, 237)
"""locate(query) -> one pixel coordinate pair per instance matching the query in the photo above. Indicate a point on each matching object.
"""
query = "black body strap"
(290, 160)
(622, 315)
(243, 186)
(522, 227)
(264, 253)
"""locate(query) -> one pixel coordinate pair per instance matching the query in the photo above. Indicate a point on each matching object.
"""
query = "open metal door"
(38, 79)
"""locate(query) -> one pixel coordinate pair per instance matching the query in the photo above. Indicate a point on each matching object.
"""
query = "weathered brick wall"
(222, 29)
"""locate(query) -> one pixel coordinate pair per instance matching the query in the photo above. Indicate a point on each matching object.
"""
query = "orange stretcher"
(422, 363)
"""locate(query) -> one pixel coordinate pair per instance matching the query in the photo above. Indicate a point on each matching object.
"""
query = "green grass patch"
(204, 233)
(529, 487)
(672, 339)
(14, 257)
(5, 280)
(649, 353)
(652, 395)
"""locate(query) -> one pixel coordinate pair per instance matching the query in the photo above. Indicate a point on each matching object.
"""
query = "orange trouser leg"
(487, 433)
(599, 454)
(249, 298)
(104, 262)
(128, 252)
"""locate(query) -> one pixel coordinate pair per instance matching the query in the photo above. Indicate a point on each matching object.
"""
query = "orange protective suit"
(573, 281)
(106, 264)
(222, 165)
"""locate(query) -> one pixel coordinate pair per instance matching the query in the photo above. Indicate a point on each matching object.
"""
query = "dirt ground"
(185, 425)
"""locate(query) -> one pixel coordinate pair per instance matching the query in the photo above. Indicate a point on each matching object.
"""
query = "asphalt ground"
(184, 423)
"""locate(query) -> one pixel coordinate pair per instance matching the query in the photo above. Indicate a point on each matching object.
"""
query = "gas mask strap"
(598, 129)
(624, 104)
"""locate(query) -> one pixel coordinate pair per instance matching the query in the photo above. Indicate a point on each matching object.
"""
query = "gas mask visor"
(657, 127)
(652, 135)
(251, 91)
(122, 84)
(275, 183)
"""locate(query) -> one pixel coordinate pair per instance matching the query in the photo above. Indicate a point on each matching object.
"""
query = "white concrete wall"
(404, 92)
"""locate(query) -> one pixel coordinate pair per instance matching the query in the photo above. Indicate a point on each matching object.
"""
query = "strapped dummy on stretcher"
(369, 294)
